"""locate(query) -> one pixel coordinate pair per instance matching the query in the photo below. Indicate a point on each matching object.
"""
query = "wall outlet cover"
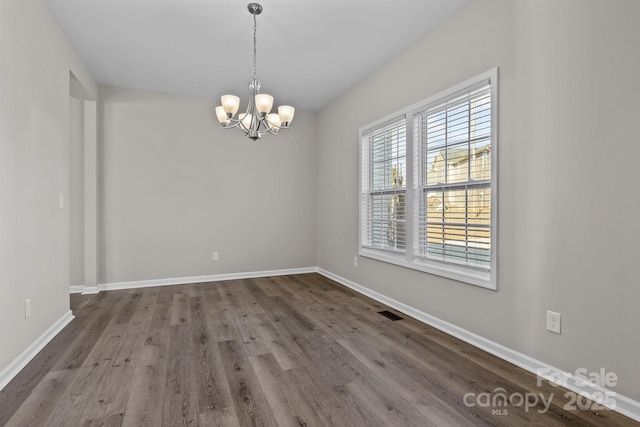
(553, 321)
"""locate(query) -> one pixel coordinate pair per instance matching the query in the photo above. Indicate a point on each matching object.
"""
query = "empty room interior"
(407, 213)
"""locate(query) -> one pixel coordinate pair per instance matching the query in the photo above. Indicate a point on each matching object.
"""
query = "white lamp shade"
(273, 121)
(245, 120)
(222, 115)
(286, 113)
(230, 104)
(264, 103)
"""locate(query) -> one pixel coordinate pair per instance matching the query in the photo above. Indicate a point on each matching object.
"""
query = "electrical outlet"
(215, 256)
(61, 201)
(355, 261)
(553, 321)
(27, 308)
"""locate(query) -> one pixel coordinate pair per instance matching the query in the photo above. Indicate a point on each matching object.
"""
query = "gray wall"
(175, 187)
(568, 216)
(34, 170)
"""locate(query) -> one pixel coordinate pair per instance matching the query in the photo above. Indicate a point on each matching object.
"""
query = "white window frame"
(467, 274)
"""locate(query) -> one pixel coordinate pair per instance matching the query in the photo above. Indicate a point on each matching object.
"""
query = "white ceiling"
(309, 52)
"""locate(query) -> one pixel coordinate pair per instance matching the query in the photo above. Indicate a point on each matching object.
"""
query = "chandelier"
(258, 119)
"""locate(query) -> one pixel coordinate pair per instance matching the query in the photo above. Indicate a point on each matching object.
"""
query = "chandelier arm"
(232, 123)
(262, 124)
(272, 130)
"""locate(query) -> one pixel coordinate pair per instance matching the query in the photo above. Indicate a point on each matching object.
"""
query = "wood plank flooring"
(296, 350)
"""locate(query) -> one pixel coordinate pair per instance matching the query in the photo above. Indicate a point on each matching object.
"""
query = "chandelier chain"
(254, 46)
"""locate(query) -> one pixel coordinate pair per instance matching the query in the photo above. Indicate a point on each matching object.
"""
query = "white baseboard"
(8, 373)
(77, 289)
(114, 286)
(84, 290)
(199, 279)
(88, 290)
(624, 405)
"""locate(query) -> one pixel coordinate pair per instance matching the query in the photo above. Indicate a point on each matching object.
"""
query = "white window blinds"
(454, 142)
(384, 165)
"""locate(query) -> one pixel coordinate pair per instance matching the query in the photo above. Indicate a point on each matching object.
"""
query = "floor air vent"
(390, 315)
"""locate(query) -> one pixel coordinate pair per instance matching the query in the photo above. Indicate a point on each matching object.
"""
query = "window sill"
(461, 274)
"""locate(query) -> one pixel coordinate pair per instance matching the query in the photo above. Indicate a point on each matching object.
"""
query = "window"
(428, 184)
(386, 160)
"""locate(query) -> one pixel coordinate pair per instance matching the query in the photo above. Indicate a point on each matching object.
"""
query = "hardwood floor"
(280, 351)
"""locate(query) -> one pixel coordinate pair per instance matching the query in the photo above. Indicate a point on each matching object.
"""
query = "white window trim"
(462, 273)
